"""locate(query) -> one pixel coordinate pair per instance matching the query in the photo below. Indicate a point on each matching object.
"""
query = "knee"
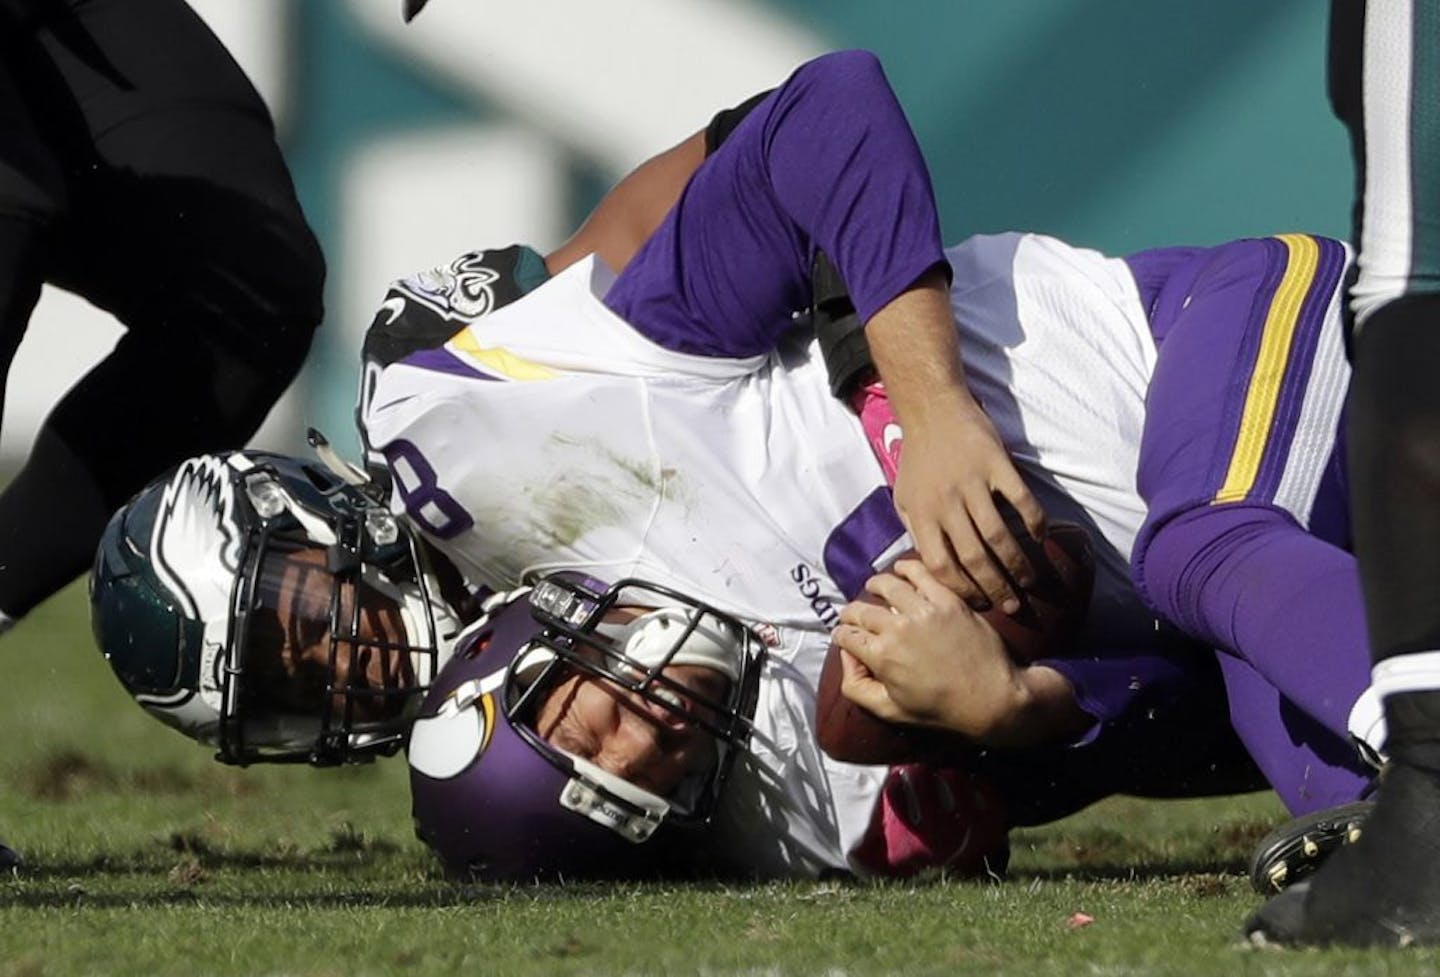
(1177, 558)
(257, 304)
(230, 388)
(256, 301)
(270, 362)
(260, 333)
(33, 196)
(285, 269)
(244, 264)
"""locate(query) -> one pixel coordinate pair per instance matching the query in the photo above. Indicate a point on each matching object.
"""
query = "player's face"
(287, 664)
(625, 734)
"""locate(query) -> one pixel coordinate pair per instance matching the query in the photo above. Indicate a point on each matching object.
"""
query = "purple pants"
(1246, 544)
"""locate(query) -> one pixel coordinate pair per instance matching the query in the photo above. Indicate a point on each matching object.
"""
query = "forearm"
(914, 346)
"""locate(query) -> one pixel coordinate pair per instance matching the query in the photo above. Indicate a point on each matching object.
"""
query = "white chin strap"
(586, 793)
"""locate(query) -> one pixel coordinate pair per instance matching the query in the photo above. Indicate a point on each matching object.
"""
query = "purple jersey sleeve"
(825, 162)
(1113, 685)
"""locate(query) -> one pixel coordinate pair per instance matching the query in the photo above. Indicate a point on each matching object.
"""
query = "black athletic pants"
(139, 169)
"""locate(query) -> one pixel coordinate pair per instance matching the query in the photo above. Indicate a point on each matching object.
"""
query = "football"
(1051, 614)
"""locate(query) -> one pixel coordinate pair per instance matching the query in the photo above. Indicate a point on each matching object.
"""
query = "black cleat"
(10, 859)
(1281, 921)
(1295, 849)
(1382, 890)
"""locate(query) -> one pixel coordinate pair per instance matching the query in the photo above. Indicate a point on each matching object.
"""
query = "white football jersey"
(549, 434)
(790, 810)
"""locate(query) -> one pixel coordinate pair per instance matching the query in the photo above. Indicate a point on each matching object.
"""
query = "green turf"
(147, 858)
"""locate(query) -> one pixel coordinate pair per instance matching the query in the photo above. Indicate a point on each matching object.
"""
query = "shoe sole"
(1297, 848)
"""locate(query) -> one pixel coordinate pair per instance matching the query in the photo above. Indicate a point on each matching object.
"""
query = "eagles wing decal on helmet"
(195, 526)
(186, 569)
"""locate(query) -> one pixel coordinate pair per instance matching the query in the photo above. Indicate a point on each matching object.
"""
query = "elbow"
(1171, 562)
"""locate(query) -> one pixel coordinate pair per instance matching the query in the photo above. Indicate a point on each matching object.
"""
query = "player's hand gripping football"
(953, 465)
(951, 469)
(914, 652)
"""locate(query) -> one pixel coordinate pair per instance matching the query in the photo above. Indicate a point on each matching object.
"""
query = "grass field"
(146, 858)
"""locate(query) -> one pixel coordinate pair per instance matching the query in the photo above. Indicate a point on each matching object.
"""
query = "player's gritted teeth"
(670, 716)
(702, 683)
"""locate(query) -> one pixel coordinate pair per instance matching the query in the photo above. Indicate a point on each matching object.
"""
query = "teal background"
(1117, 124)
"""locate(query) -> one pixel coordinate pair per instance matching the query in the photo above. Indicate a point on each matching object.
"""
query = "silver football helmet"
(270, 607)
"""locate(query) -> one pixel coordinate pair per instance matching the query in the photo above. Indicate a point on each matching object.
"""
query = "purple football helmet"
(497, 802)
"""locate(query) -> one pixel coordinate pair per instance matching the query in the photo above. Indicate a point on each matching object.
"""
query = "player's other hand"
(952, 469)
(915, 653)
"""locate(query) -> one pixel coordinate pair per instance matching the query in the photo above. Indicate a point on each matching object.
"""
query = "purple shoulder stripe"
(441, 360)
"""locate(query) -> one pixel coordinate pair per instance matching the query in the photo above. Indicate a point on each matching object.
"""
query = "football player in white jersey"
(623, 483)
(640, 426)
(272, 607)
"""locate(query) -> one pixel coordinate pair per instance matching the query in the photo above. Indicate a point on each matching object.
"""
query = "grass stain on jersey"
(567, 510)
(619, 492)
(663, 481)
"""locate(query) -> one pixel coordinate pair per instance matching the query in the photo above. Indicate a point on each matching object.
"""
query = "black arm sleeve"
(838, 328)
(726, 120)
